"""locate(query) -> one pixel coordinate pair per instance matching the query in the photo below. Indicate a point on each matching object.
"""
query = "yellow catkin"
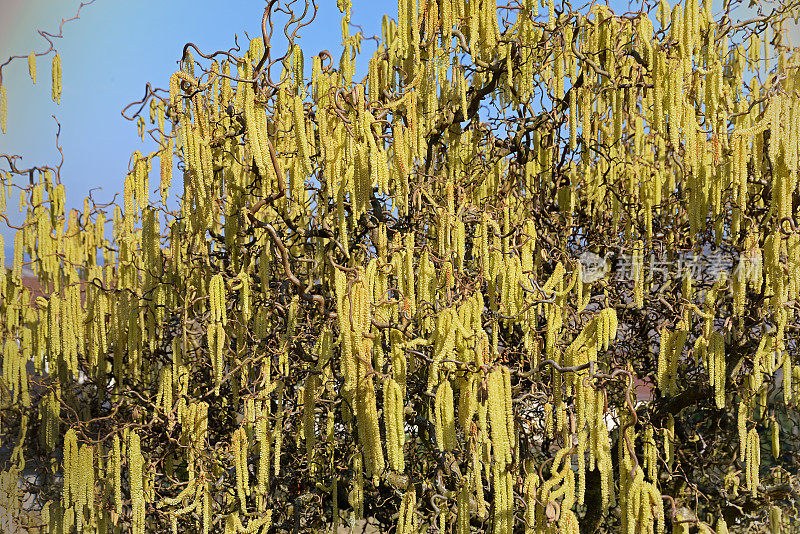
(638, 270)
(166, 169)
(775, 439)
(356, 496)
(301, 137)
(406, 519)
(69, 458)
(716, 355)
(445, 414)
(246, 296)
(263, 439)
(568, 523)
(775, 520)
(669, 441)
(463, 510)
(530, 487)
(309, 415)
(135, 470)
(277, 433)
(753, 461)
(239, 451)
(16, 271)
(741, 422)
(395, 424)
(56, 70)
(498, 416)
(3, 108)
(32, 66)
(503, 500)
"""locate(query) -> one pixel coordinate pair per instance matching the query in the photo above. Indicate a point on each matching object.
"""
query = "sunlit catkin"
(32, 66)
(753, 461)
(56, 89)
(136, 473)
(775, 439)
(301, 137)
(716, 358)
(498, 399)
(741, 424)
(3, 108)
(116, 474)
(239, 446)
(445, 417)
(637, 261)
(394, 420)
(406, 520)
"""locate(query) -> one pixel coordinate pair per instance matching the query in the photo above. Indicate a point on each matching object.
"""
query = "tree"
(539, 270)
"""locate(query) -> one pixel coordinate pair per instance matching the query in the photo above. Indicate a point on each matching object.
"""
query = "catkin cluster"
(393, 295)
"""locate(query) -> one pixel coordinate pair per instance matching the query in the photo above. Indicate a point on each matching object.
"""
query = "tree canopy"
(537, 270)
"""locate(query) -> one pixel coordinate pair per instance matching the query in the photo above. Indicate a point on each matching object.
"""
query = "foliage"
(371, 301)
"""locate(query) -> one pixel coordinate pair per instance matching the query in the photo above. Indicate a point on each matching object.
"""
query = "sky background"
(107, 58)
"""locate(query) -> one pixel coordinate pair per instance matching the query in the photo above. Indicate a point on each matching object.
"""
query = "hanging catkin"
(406, 520)
(136, 474)
(32, 66)
(445, 417)
(56, 70)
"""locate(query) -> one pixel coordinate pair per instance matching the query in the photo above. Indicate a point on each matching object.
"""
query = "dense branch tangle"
(369, 304)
